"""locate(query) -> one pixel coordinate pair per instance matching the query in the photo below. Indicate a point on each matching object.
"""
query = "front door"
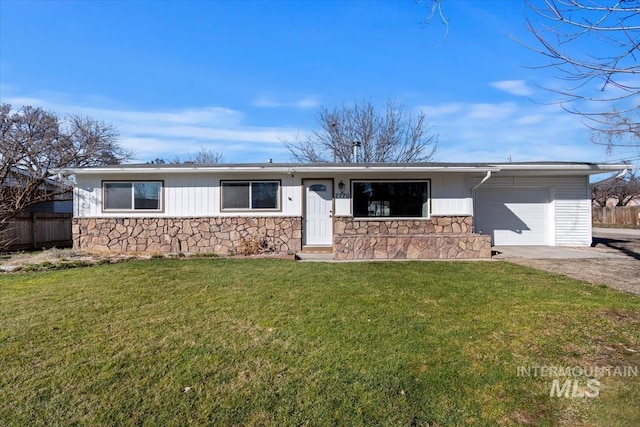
(318, 225)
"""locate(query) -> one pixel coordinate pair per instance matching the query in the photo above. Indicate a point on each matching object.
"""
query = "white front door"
(318, 224)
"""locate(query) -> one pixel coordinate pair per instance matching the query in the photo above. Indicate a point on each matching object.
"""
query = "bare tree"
(206, 157)
(392, 135)
(619, 190)
(595, 46)
(202, 157)
(35, 142)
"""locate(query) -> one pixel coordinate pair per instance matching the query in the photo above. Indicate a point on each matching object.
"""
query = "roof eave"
(293, 169)
(563, 169)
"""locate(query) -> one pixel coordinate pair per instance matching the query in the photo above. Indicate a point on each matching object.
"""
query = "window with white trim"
(132, 196)
(250, 195)
(391, 199)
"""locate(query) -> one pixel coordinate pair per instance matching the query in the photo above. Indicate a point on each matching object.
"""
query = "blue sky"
(239, 76)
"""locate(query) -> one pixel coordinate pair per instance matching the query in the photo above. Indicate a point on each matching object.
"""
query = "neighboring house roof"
(578, 168)
(58, 206)
(51, 184)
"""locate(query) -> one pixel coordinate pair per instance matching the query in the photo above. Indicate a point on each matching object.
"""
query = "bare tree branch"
(393, 135)
(202, 157)
(34, 142)
(620, 191)
(595, 45)
(206, 157)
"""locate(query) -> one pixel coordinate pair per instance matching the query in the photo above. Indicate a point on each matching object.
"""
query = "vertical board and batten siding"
(570, 204)
(184, 195)
(195, 195)
(450, 195)
(188, 195)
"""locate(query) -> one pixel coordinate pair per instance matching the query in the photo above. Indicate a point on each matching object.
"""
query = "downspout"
(621, 174)
(486, 177)
(473, 197)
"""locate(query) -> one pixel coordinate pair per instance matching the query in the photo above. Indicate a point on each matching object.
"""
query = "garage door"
(513, 215)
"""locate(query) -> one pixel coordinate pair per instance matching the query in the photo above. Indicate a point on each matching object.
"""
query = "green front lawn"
(274, 342)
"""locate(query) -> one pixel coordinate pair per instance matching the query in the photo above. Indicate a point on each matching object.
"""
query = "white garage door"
(514, 215)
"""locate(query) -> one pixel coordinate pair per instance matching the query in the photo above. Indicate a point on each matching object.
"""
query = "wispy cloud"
(492, 111)
(271, 102)
(467, 131)
(153, 134)
(433, 111)
(513, 87)
(522, 132)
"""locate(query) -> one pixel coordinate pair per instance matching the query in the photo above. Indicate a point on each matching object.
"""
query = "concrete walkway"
(562, 252)
(551, 252)
(626, 232)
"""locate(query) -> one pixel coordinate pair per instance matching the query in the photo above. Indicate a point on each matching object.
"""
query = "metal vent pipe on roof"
(356, 151)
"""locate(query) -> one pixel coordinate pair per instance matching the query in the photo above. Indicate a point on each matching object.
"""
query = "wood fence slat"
(620, 215)
(38, 230)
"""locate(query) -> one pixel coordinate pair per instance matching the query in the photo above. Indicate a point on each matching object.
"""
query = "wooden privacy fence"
(621, 215)
(37, 230)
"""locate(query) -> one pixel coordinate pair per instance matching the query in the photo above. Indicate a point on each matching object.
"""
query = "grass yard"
(238, 342)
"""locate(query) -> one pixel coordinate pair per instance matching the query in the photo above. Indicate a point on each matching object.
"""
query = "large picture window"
(132, 196)
(391, 199)
(250, 195)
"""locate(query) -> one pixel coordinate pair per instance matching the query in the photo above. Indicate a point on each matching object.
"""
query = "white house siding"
(450, 195)
(198, 195)
(185, 195)
(573, 212)
(189, 195)
(569, 206)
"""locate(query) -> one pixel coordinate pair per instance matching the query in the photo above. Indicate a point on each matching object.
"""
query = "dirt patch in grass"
(619, 349)
(53, 259)
(622, 274)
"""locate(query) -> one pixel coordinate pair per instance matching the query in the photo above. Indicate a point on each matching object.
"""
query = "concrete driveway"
(551, 252)
(613, 259)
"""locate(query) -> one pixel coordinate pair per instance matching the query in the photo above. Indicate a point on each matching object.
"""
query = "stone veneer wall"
(439, 237)
(221, 235)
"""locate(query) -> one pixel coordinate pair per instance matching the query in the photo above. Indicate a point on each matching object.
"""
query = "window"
(391, 199)
(250, 195)
(136, 196)
(318, 187)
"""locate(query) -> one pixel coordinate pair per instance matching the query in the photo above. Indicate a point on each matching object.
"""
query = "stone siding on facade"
(444, 237)
(221, 235)
(345, 225)
(434, 238)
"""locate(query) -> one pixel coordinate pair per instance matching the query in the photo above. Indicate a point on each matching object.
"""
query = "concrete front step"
(314, 256)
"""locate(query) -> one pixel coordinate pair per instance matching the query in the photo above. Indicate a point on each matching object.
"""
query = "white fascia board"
(562, 169)
(287, 170)
(505, 168)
